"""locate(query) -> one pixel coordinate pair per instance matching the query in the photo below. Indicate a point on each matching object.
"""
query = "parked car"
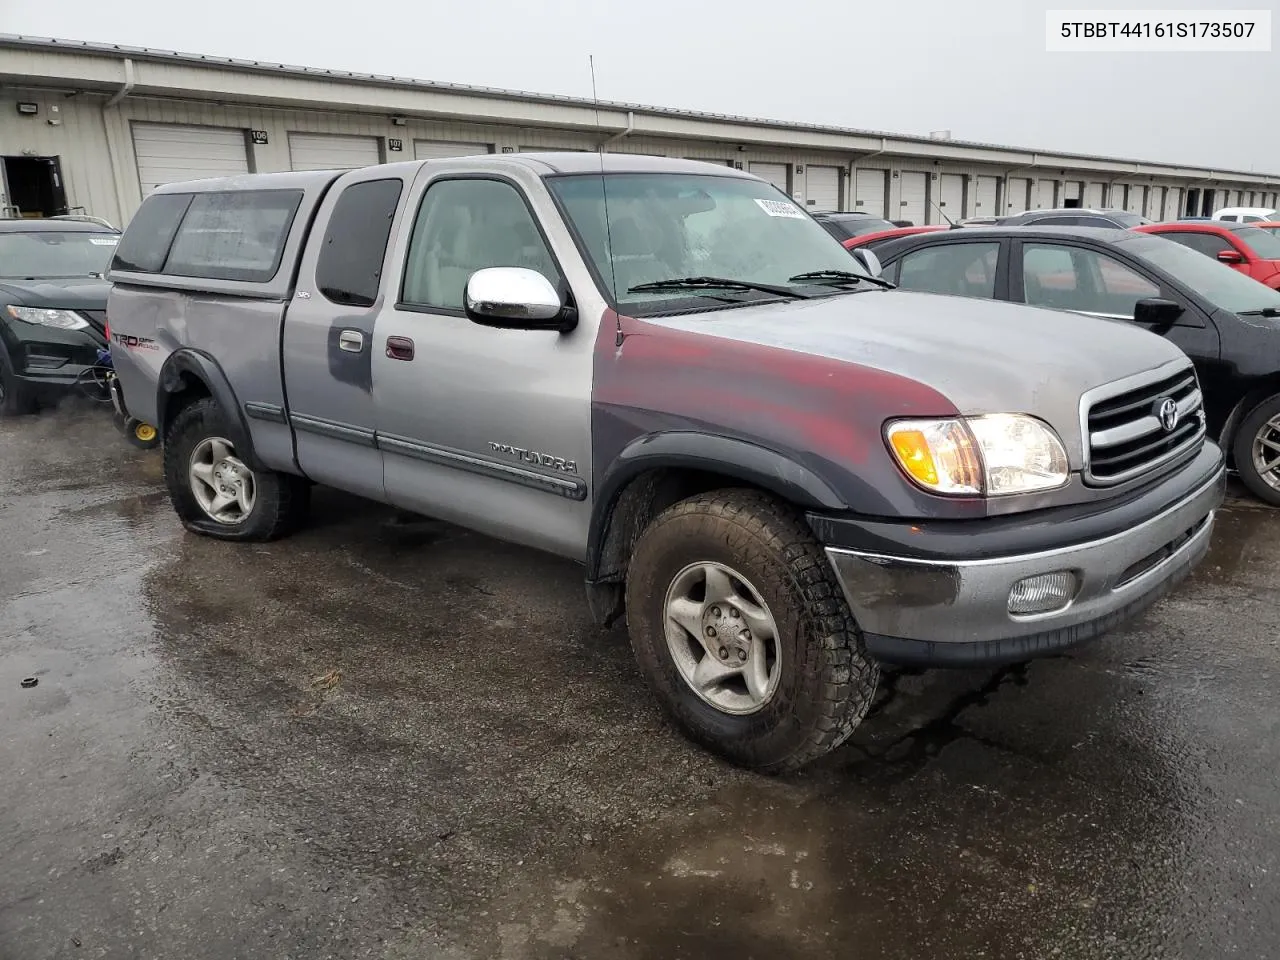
(1247, 214)
(1074, 217)
(979, 221)
(53, 303)
(1224, 321)
(1241, 246)
(872, 240)
(779, 471)
(1269, 225)
(846, 226)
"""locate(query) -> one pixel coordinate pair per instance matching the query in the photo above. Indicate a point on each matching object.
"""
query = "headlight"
(62, 319)
(993, 455)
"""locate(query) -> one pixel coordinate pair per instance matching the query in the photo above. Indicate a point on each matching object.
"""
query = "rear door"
(1210, 244)
(328, 333)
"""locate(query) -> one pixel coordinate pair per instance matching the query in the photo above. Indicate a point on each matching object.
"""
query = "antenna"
(943, 215)
(604, 193)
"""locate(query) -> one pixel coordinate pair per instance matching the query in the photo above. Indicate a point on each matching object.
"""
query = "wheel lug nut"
(724, 654)
(742, 655)
(715, 611)
(744, 635)
(733, 612)
(711, 631)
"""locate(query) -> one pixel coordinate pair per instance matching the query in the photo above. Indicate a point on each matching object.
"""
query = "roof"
(121, 51)
(17, 225)
(1107, 234)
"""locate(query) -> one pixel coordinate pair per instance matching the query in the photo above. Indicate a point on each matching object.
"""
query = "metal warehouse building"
(93, 128)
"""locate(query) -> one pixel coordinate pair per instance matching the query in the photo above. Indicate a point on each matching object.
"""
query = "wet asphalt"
(387, 737)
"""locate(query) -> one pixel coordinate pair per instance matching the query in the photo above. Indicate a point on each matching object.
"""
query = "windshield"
(1264, 244)
(1222, 286)
(666, 226)
(54, 255)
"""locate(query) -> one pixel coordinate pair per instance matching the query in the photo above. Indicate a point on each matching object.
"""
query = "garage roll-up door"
(911, 201)
(984, 197)
(1044, 198)
(1016, 190)
(325, 151)
(822, 188)
(444, 149)
(1093, 195)
(169, 153)
(775, 173)
(951, 197)
(1137, 196)
(869, 192)
(1155, 203)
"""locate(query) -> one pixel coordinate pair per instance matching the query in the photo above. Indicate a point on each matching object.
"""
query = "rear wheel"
(1256, 450)
(14, 398)
(741, 630)
(213, 490)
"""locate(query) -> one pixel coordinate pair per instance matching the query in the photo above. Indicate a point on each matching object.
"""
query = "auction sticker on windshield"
(780, 208)
(104, 241)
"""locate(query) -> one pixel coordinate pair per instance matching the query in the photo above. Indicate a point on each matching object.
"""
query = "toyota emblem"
(1168, 414)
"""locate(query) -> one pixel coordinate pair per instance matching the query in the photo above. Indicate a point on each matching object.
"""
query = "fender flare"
(690, 450)
(191, 364)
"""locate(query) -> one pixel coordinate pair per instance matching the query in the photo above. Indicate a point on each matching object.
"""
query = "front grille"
(1125, 434)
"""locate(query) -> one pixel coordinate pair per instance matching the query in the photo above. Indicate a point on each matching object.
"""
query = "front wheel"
(740, 628)
(14, 399)
(214, 492)
(1256, 450)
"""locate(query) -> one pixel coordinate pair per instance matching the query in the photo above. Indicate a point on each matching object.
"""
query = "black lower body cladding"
(965, 593)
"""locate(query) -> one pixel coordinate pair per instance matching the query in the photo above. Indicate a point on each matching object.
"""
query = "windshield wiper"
(842, 276)
(1264, 312)
(715, 283)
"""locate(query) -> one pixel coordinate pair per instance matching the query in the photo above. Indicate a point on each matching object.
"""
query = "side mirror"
(1156, 312)
(869, 261)
(1230, 256)
(514, 298)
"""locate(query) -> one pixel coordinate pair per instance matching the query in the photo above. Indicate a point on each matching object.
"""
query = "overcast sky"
(977, 68)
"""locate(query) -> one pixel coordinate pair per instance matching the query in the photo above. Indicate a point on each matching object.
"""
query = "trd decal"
(535, 458)
(130, 342)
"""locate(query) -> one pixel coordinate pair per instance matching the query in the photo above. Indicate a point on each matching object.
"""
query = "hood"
(72, 293)
(985, 356)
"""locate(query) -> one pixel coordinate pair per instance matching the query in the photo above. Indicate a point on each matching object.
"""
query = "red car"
(1243, 246)
(870, 239)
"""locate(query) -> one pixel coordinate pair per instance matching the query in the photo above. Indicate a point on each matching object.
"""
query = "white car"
(1247, 214)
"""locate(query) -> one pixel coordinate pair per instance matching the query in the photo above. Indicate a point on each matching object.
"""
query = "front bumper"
(49, 362)
(955, 612)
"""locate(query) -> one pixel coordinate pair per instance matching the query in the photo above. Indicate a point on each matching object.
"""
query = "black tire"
(281, 502)
(1242, 449)
(14, 399)
(827, 681)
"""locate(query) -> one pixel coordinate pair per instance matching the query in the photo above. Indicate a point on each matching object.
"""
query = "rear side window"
(349, 270)
(234, 236)
(958, 269)
(145, 245)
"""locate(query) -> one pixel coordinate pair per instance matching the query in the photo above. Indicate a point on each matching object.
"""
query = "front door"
(329, 333)
(485, 427)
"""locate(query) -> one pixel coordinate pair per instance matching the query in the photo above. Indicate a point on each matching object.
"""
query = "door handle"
(399, 348)
(351, 341)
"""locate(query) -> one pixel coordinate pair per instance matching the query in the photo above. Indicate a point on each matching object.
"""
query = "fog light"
(1042, 593)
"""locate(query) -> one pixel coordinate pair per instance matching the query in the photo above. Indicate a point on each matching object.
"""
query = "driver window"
(1085, 281)
(464, 226)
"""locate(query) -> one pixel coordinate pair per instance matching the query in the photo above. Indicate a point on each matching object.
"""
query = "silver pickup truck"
(781, 472)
